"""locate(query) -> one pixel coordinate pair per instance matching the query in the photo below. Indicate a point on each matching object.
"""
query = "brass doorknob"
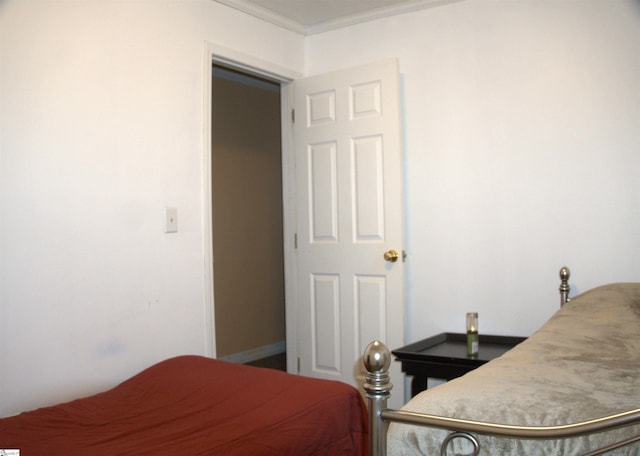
(391, 255)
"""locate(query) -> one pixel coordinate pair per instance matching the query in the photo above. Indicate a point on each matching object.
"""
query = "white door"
(349, 213)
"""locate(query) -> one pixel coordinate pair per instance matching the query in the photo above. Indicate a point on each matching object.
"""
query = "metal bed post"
(377, 387)
(565, 288)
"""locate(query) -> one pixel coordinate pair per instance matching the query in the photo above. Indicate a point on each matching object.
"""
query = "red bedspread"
(192, 405)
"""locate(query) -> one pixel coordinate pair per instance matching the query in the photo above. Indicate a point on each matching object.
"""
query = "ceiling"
(315, 16)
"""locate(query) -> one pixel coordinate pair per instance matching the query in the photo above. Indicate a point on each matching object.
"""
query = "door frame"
(214, 53)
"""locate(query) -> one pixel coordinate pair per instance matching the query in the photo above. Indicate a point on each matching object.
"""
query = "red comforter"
(192, 405)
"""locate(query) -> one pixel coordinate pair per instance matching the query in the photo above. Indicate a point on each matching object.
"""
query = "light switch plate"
(170, 220)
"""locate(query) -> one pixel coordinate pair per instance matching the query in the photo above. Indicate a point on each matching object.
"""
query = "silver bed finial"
(377, 358)
(565, 288)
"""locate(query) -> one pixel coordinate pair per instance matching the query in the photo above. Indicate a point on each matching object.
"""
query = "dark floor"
(278, 361)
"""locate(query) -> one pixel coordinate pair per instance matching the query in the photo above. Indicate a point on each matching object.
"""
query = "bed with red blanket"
(191, 405)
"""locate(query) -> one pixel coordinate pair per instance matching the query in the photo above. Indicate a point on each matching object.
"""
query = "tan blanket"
(584, 363)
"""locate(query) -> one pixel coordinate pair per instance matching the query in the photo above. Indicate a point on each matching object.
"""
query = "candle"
(472, 334)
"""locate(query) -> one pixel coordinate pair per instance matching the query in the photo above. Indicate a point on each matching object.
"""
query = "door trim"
(214, 53)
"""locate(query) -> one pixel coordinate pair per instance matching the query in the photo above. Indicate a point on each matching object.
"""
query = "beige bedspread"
(584, 363)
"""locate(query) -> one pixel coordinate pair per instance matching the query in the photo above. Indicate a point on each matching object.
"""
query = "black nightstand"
(445, 356)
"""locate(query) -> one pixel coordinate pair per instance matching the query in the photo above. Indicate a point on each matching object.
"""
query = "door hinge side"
(293, 116)
(298, 364)
(295, 240)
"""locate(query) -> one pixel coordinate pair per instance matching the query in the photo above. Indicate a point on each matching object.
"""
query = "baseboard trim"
(256, 353)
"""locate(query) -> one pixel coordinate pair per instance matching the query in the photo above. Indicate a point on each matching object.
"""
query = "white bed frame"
(377, 360)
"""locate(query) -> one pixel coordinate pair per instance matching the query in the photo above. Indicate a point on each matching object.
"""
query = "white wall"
(522, 152)
(101, 126)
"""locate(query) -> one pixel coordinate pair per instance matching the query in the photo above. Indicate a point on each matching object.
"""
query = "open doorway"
(247, 219)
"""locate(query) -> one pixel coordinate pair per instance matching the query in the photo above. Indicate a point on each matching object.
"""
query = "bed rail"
(377, 360)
